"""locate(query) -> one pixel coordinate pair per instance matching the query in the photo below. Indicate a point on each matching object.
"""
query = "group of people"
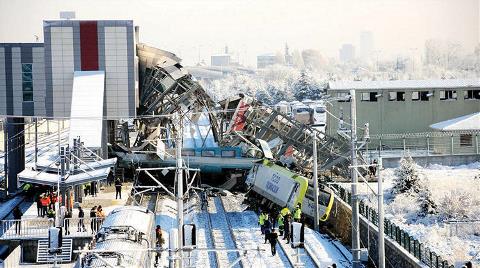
(97, 215)
(90, 189)
(283, 219)
(46, 204)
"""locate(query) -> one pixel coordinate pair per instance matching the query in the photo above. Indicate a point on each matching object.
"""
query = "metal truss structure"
(166, 88)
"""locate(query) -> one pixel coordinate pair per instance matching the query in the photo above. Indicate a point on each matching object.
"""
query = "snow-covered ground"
(455, 191)
(226, 224)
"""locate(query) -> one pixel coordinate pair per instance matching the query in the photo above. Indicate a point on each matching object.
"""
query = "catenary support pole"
(355, 217)
(36, 141)
(381, 230)
(315, 180)
(178, 144)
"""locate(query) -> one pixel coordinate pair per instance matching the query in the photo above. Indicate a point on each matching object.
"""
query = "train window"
(448, 94)
(208, 153)
(228, 153)
(343, 97)
(302, 110)
(188, 153)
(471, 94)
(396, 96)
(369, 96)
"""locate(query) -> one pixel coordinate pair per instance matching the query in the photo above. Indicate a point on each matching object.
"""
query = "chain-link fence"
(419, 250)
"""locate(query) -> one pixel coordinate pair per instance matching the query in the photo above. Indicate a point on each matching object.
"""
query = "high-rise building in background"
(347, 53)
(367, 45)
(221, 59)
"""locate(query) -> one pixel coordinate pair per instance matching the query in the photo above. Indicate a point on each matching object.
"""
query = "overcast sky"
(251, 27)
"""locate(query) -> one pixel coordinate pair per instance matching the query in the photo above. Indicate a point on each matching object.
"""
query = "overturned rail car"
(282, 188)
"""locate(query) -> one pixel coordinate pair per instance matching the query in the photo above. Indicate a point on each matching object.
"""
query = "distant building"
(404, 106)
(347, 53)
(288, 57)
(366, 45)
(266, 60)
(220, 60)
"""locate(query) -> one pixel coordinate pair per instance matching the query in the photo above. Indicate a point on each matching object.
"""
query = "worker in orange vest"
(45, 201)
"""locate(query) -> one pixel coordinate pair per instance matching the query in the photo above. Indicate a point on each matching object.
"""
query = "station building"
(94, 63)
(37, 79)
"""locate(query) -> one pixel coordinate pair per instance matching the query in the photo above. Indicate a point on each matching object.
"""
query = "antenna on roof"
(67, 15)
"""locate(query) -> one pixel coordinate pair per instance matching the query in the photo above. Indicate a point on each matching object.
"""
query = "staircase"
(43, 256)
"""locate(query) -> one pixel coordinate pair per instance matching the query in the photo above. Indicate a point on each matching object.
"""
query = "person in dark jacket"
(81, 224)
(68, 217)
(17, 216)
(286, 224)
(93, 188)
(272, 238)
(118, 189)
(268, 229)
(93, 218)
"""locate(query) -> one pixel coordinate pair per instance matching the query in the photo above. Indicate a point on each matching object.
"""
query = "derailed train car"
(123, 240)
(282, 188)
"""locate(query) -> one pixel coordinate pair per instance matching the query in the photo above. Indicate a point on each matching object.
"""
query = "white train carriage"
(124, 240)
(287, 189)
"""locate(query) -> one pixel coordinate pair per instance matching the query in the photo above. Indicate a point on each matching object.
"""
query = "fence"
(38, 227)
(429, 143)
(406, 241)
(463, 228)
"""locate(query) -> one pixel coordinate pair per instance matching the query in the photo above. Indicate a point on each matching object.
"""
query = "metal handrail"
(38, 227)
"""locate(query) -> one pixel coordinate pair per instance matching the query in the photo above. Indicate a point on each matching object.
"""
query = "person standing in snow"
(297, 214)
(286, 224)
(267, 229)
(280, 224)
(272, 238)
(261, 221)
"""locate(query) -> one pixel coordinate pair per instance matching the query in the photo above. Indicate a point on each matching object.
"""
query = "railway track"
(222, 234)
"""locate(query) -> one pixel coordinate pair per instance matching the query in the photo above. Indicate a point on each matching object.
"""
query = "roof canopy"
(466, 122)
(405, 84)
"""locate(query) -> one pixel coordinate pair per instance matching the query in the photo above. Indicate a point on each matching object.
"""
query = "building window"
(343, 97)
(369, 96)
(466, 140)
(471, 94)
(396, 96)
(27, 82)
(420, 96)
(448, 94)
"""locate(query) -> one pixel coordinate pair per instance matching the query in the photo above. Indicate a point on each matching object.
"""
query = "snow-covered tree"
(409, 181)
(455, 205)
(407, 177)
(425, 200)
(306, 88)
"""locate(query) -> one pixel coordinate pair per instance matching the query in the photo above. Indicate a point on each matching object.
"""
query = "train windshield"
(320, 110)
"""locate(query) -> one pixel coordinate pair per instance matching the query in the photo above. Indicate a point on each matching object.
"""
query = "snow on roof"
(466, 122)
(404, 84)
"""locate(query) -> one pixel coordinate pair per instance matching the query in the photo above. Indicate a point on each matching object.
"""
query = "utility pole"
(381, 239)
(355, 217)
(178, 144)
(315, 179)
